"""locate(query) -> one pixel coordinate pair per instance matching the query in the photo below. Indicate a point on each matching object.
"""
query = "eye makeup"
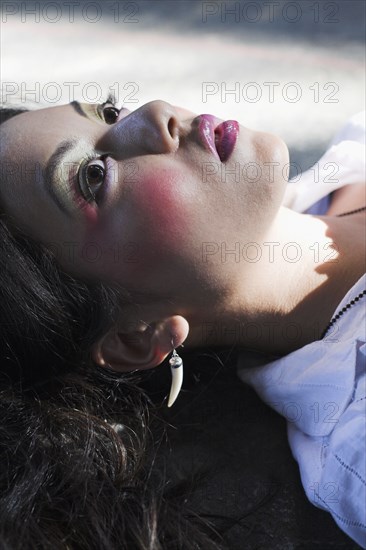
(105, 166)
(61, 176)
(95, 110)
(65, 172)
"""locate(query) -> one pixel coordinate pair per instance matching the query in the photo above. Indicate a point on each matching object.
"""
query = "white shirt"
(321, 387)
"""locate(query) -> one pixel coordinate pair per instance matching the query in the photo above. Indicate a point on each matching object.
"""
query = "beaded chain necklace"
(357, 298)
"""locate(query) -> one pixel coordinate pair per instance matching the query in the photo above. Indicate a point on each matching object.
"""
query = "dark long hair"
(76, 443)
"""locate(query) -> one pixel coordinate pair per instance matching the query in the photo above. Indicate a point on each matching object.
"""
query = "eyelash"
(109, 101)
(83, 184)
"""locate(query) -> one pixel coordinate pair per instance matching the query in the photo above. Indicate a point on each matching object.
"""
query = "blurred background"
(292, 68)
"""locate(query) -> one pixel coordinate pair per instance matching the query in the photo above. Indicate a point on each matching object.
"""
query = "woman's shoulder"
(322, 372)
(353, 130)
(342, 164)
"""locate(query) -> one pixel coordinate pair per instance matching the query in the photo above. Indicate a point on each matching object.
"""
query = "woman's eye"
(110, 114)
(92, 178)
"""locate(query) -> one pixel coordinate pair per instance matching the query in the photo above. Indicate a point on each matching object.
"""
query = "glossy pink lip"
(218, 137)
(226, 135)
(206, 130)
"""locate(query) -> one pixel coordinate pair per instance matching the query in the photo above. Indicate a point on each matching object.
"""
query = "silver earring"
(176, 367)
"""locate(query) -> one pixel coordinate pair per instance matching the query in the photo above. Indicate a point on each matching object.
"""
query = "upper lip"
(206, 131)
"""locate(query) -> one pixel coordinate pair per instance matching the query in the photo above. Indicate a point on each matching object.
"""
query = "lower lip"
(227, 134)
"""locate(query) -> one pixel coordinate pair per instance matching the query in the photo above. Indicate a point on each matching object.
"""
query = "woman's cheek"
(163, 207)
(148, 227)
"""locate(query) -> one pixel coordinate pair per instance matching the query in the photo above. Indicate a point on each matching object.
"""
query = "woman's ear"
(140, 349)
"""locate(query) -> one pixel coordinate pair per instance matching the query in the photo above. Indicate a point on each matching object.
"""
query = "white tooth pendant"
(176, 367)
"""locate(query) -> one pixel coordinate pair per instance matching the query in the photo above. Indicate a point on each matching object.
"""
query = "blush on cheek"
(147, 228)
(162, 203)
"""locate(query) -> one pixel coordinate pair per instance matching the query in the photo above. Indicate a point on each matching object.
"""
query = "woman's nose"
(151, 129)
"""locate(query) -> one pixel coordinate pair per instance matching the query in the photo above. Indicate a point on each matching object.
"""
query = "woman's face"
(166, 197)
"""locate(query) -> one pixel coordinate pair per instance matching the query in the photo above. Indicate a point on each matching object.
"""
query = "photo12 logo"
(55, 12)
(54, 92)
(253, 92)
(270, 12)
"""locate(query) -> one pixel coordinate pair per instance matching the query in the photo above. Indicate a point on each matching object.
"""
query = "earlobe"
(141, 349)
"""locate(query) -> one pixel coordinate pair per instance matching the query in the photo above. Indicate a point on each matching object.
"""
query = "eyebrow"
(53, 165)
(56, 160)
(77, 107)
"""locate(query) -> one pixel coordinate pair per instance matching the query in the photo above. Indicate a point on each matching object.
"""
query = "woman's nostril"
(173, 127)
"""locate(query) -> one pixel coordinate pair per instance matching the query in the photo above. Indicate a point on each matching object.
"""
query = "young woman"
(126, 234)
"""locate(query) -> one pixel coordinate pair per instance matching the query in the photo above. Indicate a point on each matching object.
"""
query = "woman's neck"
(285, 299)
